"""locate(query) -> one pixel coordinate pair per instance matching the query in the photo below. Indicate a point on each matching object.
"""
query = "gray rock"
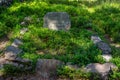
(11, 52)
(57, 21)
(100, 44)
(47, 67)
(104, 47)
(95, 39)
(12, 49)
(10, 56)
(102, 69)
(107, 57)
(17, 43)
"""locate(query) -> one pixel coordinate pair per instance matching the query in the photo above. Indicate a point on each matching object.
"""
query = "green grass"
(72, 46)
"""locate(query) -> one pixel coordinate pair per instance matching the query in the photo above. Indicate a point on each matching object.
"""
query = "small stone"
(17, 43)
(95, 39)
(12, 49)
(23, 23)
(107, 57)
(104, 47)
(101, 45)
(23, 30)
(11, 52)
(57, 21)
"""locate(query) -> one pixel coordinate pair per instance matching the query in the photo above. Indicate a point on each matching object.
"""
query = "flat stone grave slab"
(57, 21)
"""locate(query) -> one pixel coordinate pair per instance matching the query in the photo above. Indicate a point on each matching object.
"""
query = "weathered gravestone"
(57, 21)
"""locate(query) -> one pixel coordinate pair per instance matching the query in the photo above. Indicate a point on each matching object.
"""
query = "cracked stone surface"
(57, 21)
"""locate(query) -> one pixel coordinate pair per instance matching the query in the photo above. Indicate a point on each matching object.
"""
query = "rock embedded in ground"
(101, 45)
(17, 43)
(104, 47)
(11, 52)
(57, 21)
(102, 69)
(107, 57)
(10, 56)
(95, 39)
(46, 68)
(12, 49)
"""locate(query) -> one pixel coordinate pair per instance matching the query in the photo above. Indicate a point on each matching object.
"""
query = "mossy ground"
(73, 46)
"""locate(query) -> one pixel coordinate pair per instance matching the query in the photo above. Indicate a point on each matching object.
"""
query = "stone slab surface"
(57, 21)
